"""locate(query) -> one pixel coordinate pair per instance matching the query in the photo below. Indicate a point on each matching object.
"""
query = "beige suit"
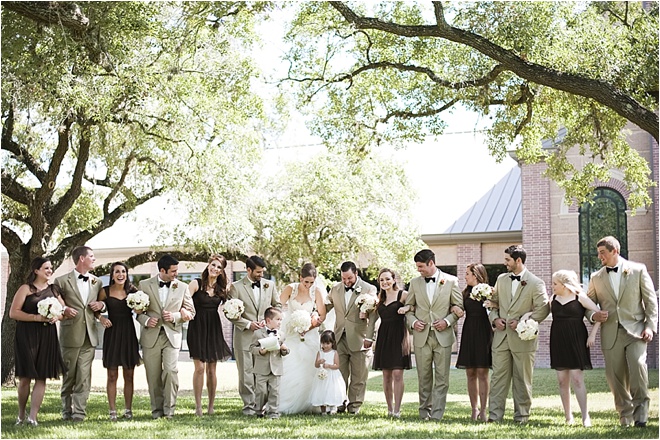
(78, 339)
(267, 371)
(630, 312)
(433, 347)
(242, 289)
(350, 333)
(161, 344)
(514, 358)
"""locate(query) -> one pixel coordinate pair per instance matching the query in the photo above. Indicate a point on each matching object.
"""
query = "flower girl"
(328, 388)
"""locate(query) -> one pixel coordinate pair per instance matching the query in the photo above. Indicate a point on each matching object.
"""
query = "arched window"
(607, 216)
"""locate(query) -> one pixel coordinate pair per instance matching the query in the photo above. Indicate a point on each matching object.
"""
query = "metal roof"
(499, 210)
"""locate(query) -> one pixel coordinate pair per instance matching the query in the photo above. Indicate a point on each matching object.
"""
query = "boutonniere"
(266, 285)
(175, 285)
(523, 283)
(626, 271)
(358, 290)
(93, 280)
(442, 281)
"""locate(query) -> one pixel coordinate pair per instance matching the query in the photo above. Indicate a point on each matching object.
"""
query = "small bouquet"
(138, 301)
(322, 373)
(366, 303)
(234, 308)
(300, 322)
(50, 308)
(527, 329)
(481, 292)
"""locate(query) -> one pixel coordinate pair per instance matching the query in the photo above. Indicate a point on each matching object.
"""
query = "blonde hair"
(569, 279)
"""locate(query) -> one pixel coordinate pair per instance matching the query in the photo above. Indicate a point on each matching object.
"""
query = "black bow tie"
(271, 332)
(348, 289)
(430, 279)
(163, 283)
(256, 284)
(612, 269)
(83, 277)
(514, 277)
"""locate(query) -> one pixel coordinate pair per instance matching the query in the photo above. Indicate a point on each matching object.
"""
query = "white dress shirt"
(515, 283)
(83, 286)
(615, 279)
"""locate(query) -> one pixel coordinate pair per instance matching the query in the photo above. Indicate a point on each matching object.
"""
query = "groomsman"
(431, 296)
(629, 313)
(353, 334)
(170, 305)
(78, 335)
(517, 293)
(257, 295)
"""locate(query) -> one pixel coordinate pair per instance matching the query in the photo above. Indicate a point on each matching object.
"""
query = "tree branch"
(21, 154)
(597, 90)
(412, 115)
(15, 191)
(10, 239)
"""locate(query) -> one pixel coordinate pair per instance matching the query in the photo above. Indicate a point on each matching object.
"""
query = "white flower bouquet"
(322, 373)
(527, 329)
(481, 292)
(50, 308)
(138, 301)
(234, 308)
(366, 303)
(299, 322)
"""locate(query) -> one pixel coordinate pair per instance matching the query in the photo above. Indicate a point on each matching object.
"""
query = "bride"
(299, 370)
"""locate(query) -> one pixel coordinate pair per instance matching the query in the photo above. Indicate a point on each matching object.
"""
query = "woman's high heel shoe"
(19, 421)
(128, 414)
(31, 422)
(113, 416)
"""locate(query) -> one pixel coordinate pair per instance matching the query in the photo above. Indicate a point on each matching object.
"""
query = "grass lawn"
(546, 421)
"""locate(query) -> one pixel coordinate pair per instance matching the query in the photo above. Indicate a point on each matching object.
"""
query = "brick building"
(529, 209)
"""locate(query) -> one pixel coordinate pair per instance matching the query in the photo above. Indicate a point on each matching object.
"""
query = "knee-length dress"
(392, 349)
(568, 337)
(37, 348)
(330, 391)
(205, 339)
(476, 338)
(120, 343)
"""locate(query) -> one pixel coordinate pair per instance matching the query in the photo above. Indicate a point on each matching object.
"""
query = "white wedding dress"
(298, 366)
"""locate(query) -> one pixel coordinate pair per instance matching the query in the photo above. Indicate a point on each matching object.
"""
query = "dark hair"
(424, 256)
(610, 243)
(220, 288)
(348, 266)
(479, 271)
(329, 336)
(128, 287)
(382, 296)
(78, 252)
(254, 261)
(166, 261)
(35, 265)
(516, 251)
(308, 270)
(272, 312)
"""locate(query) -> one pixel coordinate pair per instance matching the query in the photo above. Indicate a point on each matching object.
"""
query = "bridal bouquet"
(138, 301)
(299, 322)
(366, 303)
(481, 292)
(234, 308)
(50, 308)
(322, 374)
(528, 329)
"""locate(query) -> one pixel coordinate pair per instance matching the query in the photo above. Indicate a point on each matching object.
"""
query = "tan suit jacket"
(72, 331)
(531, 296)
(271, 362)
(242, 289)
(348, 318)
(177, 298)
(446, 295)
(636, 307)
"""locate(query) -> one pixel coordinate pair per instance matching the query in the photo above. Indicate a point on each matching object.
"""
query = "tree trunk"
(20, 268)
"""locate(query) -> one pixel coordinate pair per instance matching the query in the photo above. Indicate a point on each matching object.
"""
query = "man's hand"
(254, 325)
(419, 325)
(70, 312)
(168, 316)
(500, 324)
(367, 344)
(600, 316)
(513, 324)
(186, 315)
(152, 322)
(647, 335)
(96, 306)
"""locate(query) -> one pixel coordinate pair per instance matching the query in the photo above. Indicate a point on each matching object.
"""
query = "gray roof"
(499, 210)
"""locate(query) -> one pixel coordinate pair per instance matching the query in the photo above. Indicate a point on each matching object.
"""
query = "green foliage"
(368, 84)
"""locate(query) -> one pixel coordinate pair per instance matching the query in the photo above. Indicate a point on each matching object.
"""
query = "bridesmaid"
(392, 351)
(206, 343)
(120, 344)
(475, 352)
(37, 348)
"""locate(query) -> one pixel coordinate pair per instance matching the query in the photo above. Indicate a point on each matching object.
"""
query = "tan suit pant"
(508, 366)
(161, 364)
(77, 379)
(267, 394)
(354, 365)
(627, 376)
(433, 382)
(245, 366)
